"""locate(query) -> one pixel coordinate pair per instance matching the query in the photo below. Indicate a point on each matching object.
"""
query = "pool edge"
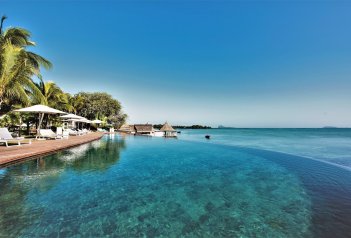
(44, 152)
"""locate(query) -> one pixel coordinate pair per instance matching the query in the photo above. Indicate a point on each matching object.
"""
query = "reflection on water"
(90, 156)
(42, 174)
(172, 188)
(157, 188)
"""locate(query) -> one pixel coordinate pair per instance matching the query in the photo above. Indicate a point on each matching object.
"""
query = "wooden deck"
(13, 153)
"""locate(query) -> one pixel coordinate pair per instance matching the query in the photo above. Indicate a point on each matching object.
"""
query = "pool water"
(155, 187)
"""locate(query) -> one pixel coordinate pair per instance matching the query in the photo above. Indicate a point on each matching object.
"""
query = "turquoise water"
(331, 145)
(155, 187)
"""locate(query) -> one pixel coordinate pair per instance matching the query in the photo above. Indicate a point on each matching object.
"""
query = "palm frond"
(18, 37)
(37, 60)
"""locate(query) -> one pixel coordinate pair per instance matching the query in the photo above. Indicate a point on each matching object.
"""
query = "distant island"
(225, 127)
(158, 126)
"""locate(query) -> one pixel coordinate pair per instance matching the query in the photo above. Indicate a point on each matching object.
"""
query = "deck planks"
(13, 154)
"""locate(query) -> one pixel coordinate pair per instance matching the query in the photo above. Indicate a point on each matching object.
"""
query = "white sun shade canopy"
(72, 119)
(71, 116)
(21, 125)
(96, 121)
(40, 109)
(84, 120)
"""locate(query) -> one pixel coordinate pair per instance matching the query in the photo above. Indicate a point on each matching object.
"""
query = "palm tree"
(52, 95)
(3, 18)
(18, 65)
(77, 102)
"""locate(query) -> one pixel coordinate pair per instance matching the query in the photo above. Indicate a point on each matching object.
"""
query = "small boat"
(207, 137)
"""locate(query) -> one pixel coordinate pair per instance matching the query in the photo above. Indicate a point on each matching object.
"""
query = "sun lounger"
(85, 131)
(5, 142)
(60, 132)
(65, 134)
(73, 133)
(5, 135)
(49, 134)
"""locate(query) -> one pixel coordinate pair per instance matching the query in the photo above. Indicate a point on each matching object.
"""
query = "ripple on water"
(155, 188)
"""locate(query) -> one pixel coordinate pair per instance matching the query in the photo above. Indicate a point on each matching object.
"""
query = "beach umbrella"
(80, 120)
(96, 121)
(87, 121)
(83, 120)
(22, 125)
(42, 110)
(76, 120)
(71, 116)
(71, 119)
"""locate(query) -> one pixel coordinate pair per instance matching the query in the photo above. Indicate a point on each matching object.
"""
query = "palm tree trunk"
(3, 18)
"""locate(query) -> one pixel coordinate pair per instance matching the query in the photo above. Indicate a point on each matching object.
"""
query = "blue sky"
(243, 64)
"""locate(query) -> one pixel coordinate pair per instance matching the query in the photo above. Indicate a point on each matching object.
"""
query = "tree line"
(159, 126)
(21, 85)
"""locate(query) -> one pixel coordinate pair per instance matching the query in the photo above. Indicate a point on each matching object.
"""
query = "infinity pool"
(154, 187)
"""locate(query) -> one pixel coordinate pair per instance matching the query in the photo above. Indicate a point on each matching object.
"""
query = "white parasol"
(41, 109)
(96, 121)
(71, 116)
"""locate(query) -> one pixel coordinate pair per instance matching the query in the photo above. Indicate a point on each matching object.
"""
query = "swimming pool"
(155, 187)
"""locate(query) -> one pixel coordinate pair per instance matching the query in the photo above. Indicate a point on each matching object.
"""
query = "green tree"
(117, 120)
(18, 66)
(76, 102)
(52, 96)
(100, 106)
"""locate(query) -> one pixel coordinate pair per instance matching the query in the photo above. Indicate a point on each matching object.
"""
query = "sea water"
(327, 144)
(155, 187)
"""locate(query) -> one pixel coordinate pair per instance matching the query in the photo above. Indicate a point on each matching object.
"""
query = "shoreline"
(15, 154)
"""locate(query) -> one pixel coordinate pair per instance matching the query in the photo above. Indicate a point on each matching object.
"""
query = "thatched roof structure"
(125, 128)
(140, 128)
(167, 127)
(131, 128)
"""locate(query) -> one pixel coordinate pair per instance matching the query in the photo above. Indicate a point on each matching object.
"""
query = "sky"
(231, 63)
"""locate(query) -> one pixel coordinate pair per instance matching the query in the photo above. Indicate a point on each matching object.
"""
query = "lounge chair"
(6, 137)
(49, 134)
(65, 134)
(60, 132)
(73, 133)
(5, 142)
(85, 131)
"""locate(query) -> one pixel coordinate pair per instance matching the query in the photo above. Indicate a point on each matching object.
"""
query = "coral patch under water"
(153, 188)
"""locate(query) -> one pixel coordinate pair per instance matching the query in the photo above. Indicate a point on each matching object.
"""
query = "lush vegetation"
(21, 85)
(100, 105)
(192, 127)
(18, 65)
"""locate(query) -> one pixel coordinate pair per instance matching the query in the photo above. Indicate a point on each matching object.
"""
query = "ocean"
(332, 145)
(240, 183)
